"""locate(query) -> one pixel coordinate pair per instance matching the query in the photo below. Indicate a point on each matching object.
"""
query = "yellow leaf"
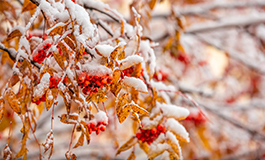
(28, 5)
(49, 99)
(172, 155)
(130, 143)
(70, 43)
(123, 113)
(2, 108)
(68, 119)
(59, 59)
(137, 70)
(132, 156)
(12, 100)
(152, 4)
(64, 50)
(57, 30)
(80, 141)
(136, 116)
(155, 154)
(138, 109)
(122, 27)
(115, 88)
(13, 34)
(98, 97)
(144, 146)
(116, 76)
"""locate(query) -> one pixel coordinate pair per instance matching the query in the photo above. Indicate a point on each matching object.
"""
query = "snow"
(148, 54)
(130, 61)
(174, 126)
(100, 117)
(173, 111)
(42, 86)
(173, 139)
(136, 83)
(105, 49)
(149, 124)
(156, 148)
(95, 68)
(79, 14)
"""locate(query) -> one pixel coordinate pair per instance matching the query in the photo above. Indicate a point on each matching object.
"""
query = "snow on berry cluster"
(149, 135)
(99, 123)
(92, 83)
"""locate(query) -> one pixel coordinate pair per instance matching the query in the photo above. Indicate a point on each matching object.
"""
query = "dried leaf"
(115, 88)
(155, 154)
(13, 34)
(86, 132)
(152, 4)
(144, 146)
(132, 156)
(80, 141)
(138, 109)
(64, 50)
(49, 99)
(23, 150)
(130, 143)
(2, 108)
(174, 147)
(57, 30)
(12, 100)
(70, 43)
(98, 97)
(137, 70)
(136, 116)
(116, 76)
(123, 113)
(59, 59)
(173, 156)
(7, 153)
(68, 119)
(6, 6)
(28, 5)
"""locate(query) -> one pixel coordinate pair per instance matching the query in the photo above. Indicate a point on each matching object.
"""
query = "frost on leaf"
(135, 83)
(177, 129)
(130, 61)
(12, 100)
(127, 145)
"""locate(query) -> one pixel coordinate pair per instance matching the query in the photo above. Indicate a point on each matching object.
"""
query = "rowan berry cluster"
(99, 127)
(150, 135)
(42, 99)
(54, 81)
(92, 83)
(196, 118)
(42, 53)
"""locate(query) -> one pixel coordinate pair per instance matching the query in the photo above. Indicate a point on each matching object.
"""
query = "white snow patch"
(130, 61)
(177, 128)
(136, 83)
(105, 49)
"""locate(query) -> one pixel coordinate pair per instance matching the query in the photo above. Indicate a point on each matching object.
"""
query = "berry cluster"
(54, 81)
(41, 55)
(42, 99)
(150, 135)
(99, 127)
(92, 83)
(129, 73)
(160, 75)
(196, 118)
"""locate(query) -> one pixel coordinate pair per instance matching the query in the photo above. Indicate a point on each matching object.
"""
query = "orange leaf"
(132, 156)
(68, 119)
(28, 5)
(138, 109)
(123, 113)
(80, 141)
(152, 4)
(64, 50)
(13, 34)
(12, 100)
(49, 99)
(70, 43)
(2, 108)
(143, 146)
(59, 59)
(57, 30)
(131, 142)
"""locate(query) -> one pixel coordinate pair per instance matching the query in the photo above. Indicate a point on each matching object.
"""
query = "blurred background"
(211, 50)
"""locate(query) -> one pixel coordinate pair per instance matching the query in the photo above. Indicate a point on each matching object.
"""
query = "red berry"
(98, 131)
(102, 128)
(153, 131)
(138, 135)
